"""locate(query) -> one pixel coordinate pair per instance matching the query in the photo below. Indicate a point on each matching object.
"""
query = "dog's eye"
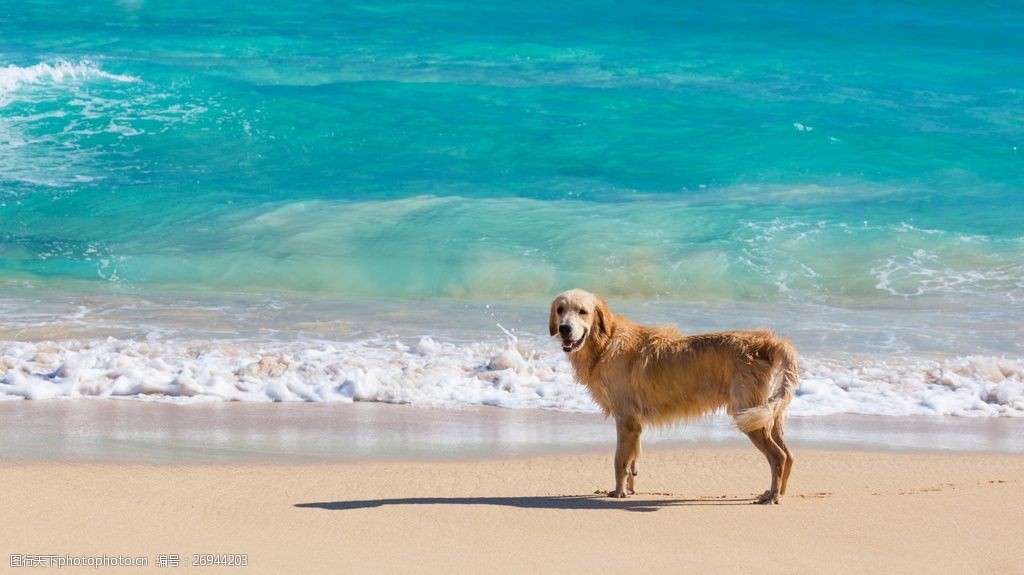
(560, 310)
(583, 312)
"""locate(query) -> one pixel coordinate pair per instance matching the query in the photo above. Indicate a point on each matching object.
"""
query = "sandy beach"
(849, 510)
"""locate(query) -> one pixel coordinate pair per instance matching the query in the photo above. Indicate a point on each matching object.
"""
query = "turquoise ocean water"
(852, 173)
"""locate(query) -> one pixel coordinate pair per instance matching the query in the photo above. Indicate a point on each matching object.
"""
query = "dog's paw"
(767, 498)
(617, 494)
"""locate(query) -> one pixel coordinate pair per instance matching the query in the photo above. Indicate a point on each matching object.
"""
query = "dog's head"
(577, 315)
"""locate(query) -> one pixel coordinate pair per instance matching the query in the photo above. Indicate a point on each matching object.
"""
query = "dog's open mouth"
(569, 345)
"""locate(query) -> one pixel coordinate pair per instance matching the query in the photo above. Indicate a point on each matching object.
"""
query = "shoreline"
(454, 354)
(137, 432)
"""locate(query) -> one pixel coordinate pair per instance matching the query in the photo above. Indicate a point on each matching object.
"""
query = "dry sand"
(847, 512)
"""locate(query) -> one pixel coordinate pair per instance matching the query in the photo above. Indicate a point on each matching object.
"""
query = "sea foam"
(432, 373)
(61, 71)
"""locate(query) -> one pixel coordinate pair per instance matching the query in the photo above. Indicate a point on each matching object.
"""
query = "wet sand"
(128, 431)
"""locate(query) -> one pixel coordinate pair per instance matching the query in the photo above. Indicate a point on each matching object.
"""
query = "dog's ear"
(604, 317)
(553, 320)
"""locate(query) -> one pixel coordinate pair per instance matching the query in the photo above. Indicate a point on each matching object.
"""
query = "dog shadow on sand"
(639, 503)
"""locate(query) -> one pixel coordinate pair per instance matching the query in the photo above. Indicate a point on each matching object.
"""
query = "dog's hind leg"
(777, 434)
(776, 460)
(627, 450)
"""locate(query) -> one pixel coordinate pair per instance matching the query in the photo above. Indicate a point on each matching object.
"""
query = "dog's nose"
(564, 330)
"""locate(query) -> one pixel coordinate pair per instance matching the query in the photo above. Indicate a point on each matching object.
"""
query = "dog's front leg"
(627, 450)
(631, 476)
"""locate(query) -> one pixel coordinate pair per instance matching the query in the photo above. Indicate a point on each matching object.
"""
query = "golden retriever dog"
(654, 376)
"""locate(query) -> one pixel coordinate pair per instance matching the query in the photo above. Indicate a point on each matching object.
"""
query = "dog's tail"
(785, 373)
